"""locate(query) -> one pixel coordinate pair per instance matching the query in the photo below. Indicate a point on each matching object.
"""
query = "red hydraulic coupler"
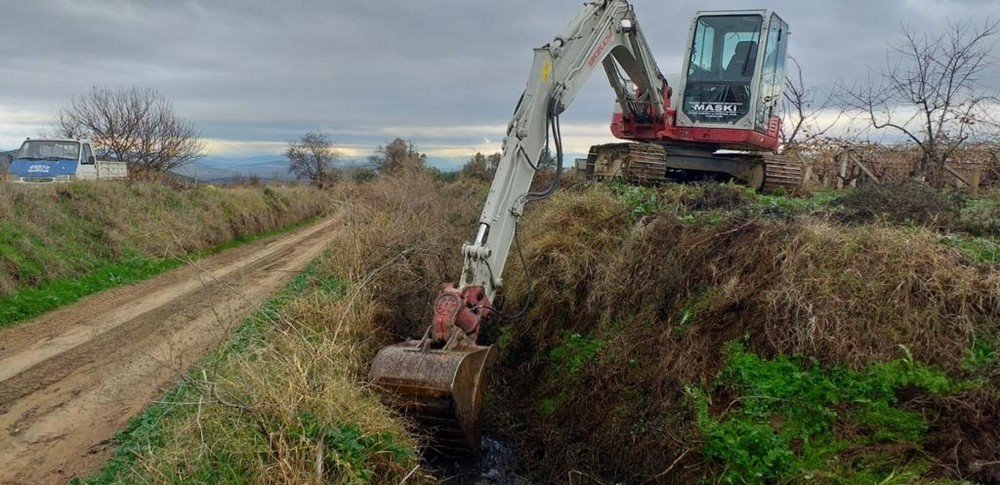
(462, 309)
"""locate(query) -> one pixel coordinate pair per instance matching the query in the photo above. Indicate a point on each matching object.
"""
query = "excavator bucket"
(441, 389)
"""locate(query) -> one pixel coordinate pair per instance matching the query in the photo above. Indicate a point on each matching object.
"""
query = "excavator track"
(784, 173)
(634, 163)
(654, 164)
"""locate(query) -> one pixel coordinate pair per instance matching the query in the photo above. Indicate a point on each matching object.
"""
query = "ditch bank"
(62, 242)
(717, 334)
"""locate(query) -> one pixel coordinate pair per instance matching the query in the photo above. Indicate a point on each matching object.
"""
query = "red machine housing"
(666, 130)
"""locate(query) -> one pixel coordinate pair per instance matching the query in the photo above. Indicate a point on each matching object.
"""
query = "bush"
(907, 203)
(981, 217)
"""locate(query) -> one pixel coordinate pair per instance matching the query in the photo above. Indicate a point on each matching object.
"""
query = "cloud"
(445, 73)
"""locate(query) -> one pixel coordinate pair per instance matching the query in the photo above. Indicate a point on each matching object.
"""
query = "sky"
(445, 74)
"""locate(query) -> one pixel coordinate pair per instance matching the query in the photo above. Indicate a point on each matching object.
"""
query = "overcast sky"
(443, 73)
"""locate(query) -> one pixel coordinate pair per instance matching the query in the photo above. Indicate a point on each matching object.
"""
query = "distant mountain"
(222, 170)
(275, 167)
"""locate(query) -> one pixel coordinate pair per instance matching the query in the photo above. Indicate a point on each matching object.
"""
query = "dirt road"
(70, 379)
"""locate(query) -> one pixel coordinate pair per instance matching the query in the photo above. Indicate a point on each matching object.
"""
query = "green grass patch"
(32, 302)
(820, 200)
(641, 201)
(790, 419)
(568, 361)
(576, 352)
(982, 249)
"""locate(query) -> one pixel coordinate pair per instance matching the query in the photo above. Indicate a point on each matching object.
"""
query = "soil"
(72, 378)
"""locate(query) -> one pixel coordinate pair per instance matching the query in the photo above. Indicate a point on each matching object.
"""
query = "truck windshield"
(49, 150)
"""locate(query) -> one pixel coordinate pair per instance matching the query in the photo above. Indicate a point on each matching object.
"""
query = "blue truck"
(43, 161)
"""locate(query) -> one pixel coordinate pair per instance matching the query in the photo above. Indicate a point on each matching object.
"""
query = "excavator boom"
(438, 379)
(735, 69)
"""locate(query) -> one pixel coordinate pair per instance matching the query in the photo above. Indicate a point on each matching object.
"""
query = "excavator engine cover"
(442, 389)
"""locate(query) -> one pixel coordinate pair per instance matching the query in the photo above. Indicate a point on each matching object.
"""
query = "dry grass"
(660, 298)
(286, 402)
(648, 301)
(67, 230)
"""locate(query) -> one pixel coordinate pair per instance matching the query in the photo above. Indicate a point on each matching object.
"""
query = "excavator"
(723, 123)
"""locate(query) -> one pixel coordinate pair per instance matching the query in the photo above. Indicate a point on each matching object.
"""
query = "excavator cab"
(735, 71)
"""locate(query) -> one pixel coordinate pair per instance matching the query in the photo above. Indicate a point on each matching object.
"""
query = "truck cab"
(61, 160)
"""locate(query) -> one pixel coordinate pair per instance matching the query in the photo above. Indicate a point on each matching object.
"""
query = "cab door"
(772, 80)
(87, 168)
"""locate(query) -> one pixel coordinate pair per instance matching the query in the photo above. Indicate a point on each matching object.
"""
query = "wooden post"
(842, 170)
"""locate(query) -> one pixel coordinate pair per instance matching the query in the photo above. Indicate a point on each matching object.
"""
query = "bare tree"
(803, 106)
(135, 125)
(399, 156)
(313, 157)
(930, 92)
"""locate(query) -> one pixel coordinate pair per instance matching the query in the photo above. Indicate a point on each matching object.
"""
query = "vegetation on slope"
(720, 334)
(62, 242)
(285, 400)
(714, 333)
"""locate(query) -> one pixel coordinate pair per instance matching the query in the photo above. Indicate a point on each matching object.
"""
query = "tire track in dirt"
(72, 378)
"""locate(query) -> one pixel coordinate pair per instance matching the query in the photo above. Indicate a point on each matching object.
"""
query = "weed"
(783, 413)
(640, 201)
(981, 217)
(980, 357)
(980, 249)
(575, 353)
(909, 203)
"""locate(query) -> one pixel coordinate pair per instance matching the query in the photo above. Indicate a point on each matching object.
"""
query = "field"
(717, 334)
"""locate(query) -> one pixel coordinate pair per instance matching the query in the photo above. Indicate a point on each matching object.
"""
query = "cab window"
(87, 153)
(725, 48)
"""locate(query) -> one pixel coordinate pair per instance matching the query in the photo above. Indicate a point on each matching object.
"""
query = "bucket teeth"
(441, 390)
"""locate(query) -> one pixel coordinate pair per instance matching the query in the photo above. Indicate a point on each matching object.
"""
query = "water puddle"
(496, 464)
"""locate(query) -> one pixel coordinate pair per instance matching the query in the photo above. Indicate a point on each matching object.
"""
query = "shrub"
(908, 203)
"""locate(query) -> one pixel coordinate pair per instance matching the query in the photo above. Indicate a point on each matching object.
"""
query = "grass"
(861, 346)
(665, 278)
(788, 419)
(149, 431)
(31, 302)
(984, 250)
(284, 400)
(66, 231)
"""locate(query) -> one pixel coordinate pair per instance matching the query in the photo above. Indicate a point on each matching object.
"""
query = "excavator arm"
(603, 34)
(438, 379)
